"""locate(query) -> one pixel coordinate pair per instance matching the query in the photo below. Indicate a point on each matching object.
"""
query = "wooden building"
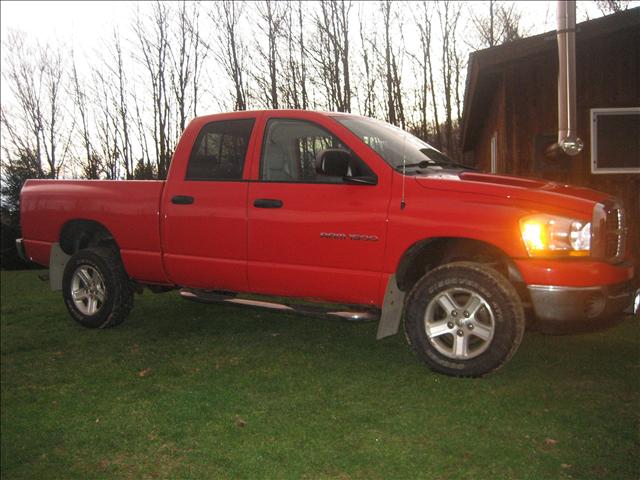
(510, 118)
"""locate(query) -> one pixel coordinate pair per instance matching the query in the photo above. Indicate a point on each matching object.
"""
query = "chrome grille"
(614, 234)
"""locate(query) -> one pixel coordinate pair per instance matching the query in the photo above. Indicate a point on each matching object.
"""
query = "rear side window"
(220, 150)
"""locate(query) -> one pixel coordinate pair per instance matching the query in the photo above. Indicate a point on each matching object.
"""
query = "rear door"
(312, 235)
(205, 213)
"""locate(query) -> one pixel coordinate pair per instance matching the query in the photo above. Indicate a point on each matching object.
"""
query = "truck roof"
(249, 113)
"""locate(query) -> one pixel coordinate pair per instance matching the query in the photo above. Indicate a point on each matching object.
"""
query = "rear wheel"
(96, 288)
(464, 319)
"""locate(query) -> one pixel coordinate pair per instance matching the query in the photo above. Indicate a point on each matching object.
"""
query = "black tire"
(461, 345)
(110, 288)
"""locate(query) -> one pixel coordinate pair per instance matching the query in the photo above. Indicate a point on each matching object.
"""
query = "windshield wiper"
(422, 164)
(434, 163)
(440, 159)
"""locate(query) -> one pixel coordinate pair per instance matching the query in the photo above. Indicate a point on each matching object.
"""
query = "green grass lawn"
(187, 390)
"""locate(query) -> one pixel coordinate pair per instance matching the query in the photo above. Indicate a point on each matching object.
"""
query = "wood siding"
(523, 111)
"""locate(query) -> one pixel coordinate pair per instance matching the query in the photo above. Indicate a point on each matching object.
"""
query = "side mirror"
(334, 162)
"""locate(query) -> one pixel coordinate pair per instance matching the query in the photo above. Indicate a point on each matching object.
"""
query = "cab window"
(220, 150)
(290, 150)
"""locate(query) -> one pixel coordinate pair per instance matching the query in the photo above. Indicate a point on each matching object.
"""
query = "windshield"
(396, 146)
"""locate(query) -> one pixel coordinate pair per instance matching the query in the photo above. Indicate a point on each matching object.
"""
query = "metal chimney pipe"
(567, 136)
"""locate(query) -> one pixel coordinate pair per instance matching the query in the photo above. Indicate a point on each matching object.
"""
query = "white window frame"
(494, 152)
(594, 139)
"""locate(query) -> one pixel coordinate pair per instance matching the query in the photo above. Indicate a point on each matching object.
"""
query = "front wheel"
(464, 319)
(96, 288)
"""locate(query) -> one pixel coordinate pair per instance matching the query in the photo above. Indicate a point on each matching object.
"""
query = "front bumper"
(575, 304)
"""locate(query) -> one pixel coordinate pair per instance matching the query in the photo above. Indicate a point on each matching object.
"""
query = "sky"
(84, 25)
(85, 22)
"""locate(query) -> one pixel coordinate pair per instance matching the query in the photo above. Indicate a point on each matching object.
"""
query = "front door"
(312, 235)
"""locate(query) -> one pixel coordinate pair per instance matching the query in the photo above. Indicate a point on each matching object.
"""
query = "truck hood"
(530, 192)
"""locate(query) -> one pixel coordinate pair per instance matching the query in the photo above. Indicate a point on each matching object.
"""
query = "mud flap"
(57, 261)
(391, 310)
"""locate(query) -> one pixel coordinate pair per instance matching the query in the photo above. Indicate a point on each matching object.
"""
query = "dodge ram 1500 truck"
(342, 209)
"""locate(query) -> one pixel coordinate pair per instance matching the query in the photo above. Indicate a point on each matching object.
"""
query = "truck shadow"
(171, 319)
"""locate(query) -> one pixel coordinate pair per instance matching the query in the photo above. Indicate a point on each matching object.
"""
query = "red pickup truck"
(344, 209)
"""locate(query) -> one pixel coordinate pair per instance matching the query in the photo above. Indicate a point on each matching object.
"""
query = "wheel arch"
(82, 233)
(427, 254)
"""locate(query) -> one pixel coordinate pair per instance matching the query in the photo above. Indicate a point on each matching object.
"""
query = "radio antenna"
(404, 170)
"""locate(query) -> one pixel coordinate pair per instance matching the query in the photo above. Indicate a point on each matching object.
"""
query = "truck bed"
(129, 210)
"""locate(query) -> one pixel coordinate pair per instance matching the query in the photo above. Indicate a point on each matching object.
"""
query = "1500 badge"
(349, 236)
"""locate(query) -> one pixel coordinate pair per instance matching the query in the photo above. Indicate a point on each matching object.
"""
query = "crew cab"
(338, 208)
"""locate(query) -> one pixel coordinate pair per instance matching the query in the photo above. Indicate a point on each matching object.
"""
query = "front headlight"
(550, 236)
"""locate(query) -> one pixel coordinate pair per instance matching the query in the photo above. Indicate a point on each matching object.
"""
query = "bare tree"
(24, 127)
(16, 146)
(53, 76)
(369, 46)
(325, 71)
(331, 53)
(434, 101)
(231, 51)
(39, 128)
(608, 7)
(292, 69)
(459, 64)
(294, 88)
(511, 21)
(121, 101)
(90, 164)
(391, 104)
(186, 63)
(199, 54)
(181, 71)
(396, 81)
(448, 15)
(106, 121)
(153, 39)
(343, 35)
(271, 17)
(145, 157)
(58, 134)
(393, 67)
(425, 67)
(303, 57)
(112, 154)
(501, 24)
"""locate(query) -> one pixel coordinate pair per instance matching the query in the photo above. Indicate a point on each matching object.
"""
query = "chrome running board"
(355, 314)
